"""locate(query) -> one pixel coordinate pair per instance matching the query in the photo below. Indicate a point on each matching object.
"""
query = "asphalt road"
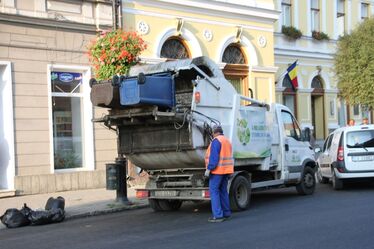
(276, 219)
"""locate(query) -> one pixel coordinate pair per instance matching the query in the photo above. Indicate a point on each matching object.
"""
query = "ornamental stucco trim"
(248, 49)
(192, 42)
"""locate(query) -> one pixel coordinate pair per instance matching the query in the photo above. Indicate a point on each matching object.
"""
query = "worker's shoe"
(215, 220)
(227, 217)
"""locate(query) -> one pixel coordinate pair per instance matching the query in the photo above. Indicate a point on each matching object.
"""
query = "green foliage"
(291, 32)
(354, 65)
(319, 35)
(114, 52)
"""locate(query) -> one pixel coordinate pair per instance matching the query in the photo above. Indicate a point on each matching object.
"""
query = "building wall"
(208, 29)
(36, 37)
(315, 58)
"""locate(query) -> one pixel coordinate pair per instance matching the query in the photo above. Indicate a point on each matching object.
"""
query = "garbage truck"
(164, 113)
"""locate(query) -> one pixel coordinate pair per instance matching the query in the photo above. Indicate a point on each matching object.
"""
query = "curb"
(106, 211)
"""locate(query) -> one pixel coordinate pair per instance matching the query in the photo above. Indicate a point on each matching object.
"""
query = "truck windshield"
(360, 139)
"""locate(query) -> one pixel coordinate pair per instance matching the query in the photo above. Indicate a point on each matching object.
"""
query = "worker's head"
(217, 130)
(365, 121)
(351, 122)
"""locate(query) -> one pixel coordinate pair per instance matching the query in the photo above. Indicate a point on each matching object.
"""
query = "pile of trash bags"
(54, 212)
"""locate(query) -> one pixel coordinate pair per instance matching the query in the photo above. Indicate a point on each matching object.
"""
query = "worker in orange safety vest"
(219, 165)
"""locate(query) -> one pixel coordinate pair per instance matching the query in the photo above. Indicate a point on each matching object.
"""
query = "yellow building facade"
(238, 37)
(316, 101)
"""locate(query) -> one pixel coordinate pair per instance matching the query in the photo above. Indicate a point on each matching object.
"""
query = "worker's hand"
(207, 173)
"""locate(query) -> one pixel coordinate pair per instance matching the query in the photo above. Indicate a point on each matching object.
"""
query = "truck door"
(293, 145)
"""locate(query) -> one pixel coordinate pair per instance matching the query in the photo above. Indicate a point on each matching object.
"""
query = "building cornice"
(49, 23)
(305, 90)
(215, 8)
(193, 19)
(335, 91)
(264, 69)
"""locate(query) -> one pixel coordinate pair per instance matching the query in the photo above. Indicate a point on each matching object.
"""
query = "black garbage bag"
(55, 203)
(13, 217)
(46, 216)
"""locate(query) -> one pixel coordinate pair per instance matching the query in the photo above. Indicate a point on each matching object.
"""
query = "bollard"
(116, 179)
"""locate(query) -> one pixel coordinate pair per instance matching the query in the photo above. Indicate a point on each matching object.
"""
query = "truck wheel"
(240, 193)
(154, 204)
(169, 205)
(308, 182)
(337, 183)
(321, 178)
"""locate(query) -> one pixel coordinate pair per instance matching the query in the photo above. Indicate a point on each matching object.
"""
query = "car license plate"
(166, 193)
(362, 158)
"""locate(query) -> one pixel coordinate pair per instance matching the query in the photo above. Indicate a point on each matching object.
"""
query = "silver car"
(347, 153)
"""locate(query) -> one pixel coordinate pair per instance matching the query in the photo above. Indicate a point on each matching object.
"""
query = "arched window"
(287, 84)
(174, 48)
(317, 85)
(233, 55)
(236, 69)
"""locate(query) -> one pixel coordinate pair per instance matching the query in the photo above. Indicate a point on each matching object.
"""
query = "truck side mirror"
(306, 134)
(317, 150)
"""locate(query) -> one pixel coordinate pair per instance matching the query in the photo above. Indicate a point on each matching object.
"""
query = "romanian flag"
(292, 73)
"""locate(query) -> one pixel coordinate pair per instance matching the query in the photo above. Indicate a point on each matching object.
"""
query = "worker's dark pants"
(219, 197)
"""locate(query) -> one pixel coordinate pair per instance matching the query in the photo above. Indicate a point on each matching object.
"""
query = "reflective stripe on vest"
(226, 162)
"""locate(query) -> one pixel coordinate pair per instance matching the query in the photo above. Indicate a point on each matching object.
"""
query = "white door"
(293, 148)
(7, 168)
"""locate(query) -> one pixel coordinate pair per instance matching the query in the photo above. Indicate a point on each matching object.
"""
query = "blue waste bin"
(149, 89)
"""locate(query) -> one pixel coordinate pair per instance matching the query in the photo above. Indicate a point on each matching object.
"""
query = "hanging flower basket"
(112, 54)
(320, 35)
(291, 32)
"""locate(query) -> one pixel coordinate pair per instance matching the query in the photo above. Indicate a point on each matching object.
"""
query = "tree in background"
(354, 65)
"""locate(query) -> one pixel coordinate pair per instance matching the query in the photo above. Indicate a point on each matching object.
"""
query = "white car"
(347, 153)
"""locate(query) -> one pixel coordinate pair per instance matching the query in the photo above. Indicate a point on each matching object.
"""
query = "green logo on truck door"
(243, 132)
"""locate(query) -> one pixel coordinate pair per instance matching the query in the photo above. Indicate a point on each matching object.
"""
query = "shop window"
(174, 48)
(340, 16)
(286, 13)
(315, 21)
(67, 120)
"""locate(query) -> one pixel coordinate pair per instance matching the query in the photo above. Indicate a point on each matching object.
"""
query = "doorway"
(317, 109)
(7, 166)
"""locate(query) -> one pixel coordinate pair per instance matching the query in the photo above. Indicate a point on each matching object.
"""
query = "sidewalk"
(80, 203)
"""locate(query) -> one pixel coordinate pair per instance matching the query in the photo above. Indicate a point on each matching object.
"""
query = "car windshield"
(360, 139)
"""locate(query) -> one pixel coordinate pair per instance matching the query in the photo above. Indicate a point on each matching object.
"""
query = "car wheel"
(321, 179)
(307, 183)
(337, 183)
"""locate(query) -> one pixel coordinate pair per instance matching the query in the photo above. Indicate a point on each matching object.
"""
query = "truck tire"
(240, 193)
(307, 183)
(169, 205)
(321, 178)
(337, 183)
(154, 204)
